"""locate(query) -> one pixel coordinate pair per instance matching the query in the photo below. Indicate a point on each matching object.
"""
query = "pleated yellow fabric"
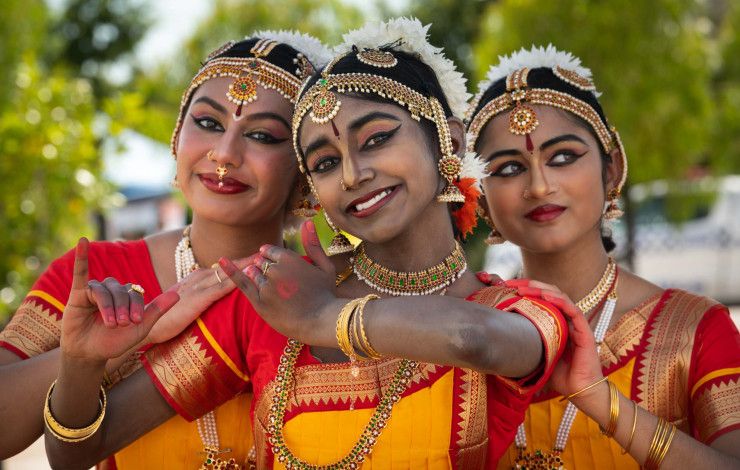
(587, 447)
(176, 443)
(421, 421)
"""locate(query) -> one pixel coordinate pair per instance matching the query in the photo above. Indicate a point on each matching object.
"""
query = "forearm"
(23, 387)
(134, 408)
(684, 451)
(442, 330)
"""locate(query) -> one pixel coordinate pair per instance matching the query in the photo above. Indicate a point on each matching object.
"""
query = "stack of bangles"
(351, 335)
(66, 434)
(662, 438)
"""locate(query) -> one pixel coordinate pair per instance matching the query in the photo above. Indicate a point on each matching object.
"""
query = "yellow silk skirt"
(176, 443)
(416, 436)
(587, 448)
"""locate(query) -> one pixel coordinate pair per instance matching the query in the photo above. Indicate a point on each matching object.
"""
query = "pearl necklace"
(547, 460)
(185, 264)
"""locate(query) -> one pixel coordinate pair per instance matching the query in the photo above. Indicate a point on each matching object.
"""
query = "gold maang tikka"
(522, 119)
(244, 89)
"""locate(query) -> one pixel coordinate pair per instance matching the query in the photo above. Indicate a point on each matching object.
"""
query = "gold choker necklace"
(424, 282)
(597, 294)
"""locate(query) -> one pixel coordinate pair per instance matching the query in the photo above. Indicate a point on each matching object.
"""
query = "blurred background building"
(91, 91)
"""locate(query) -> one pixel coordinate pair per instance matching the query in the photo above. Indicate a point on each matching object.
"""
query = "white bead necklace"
(185, 264)
(545, 459)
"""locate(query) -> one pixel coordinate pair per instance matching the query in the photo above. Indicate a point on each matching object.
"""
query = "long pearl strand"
(569, 416)
(185, 264)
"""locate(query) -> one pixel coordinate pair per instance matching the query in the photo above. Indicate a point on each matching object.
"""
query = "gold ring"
(136, 288)
(266, 267)
(215, 271)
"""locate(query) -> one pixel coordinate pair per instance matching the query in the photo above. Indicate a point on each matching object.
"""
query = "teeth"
(371, 202)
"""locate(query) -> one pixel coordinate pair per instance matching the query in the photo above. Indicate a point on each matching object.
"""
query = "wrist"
(323, 330)
(594, 403)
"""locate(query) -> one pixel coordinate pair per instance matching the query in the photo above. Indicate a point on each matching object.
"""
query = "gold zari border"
(33, 329)
(718, 407)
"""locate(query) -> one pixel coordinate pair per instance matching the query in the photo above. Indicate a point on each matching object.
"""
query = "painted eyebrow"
(361, 121)
(316, 144)
(214, 104)
(268, 115)
(544, 145)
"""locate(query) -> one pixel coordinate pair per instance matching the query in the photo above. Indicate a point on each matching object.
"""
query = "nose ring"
(210, 156)
(526, 194)
(221, 171)
(344, 186)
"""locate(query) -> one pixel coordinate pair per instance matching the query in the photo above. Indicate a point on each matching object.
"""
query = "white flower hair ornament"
(411, 36)
(313, 49)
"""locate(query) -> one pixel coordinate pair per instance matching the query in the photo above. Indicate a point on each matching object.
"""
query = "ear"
(457, 133)
(614, 169)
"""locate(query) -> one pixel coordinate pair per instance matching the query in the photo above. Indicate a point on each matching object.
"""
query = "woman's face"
(256, 150)
(385, 160)
(549, 199)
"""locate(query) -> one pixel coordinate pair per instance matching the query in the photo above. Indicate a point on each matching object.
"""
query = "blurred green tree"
(49, 166)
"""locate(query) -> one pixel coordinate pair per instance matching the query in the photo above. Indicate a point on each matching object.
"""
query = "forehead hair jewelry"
(544, 76)
(247, 72)
(322, 104)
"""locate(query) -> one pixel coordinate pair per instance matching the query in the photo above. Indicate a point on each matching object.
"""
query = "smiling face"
(386, 161)
(548, 200)
(256, 150)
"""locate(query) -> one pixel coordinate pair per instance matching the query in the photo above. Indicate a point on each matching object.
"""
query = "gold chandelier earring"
(612, 210)
(495, 237)
(340, 243)
(303, 207)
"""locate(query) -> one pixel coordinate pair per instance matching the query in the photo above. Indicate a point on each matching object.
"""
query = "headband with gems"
(322, 105)
(248, 72)
(522, 119)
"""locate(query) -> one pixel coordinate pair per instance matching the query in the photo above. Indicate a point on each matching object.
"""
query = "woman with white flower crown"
(660, 373)
(377, 135)
(235, 168)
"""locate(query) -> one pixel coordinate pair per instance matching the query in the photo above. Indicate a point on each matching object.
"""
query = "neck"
(211, 240)
(574, 270)
(426, 241)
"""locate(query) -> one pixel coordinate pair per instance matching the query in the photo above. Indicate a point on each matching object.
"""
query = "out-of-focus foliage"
(91, 36)
(724, 148)
(49, 164)
(159, 92)
(652, 64)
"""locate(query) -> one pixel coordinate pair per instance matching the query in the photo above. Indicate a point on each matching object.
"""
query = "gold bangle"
(364, 344)
(589, 387)
(666, 445)
(634, 426)
(66, 434)
(613, 411)
(662, 438)
(343, 321)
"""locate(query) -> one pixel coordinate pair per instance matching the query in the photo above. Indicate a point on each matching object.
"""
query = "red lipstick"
(225, 186)
(545, 213)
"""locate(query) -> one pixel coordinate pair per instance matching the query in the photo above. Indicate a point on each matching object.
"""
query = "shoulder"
(678, 302)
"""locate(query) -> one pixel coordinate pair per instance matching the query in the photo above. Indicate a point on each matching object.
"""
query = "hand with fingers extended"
(288, 293)
(197, 291)
(580, 365)
(103, 320)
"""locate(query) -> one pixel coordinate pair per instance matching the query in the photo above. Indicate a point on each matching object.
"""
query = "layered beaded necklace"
(380, 278)
(551, 460)
(185, 264)
(424, 282)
